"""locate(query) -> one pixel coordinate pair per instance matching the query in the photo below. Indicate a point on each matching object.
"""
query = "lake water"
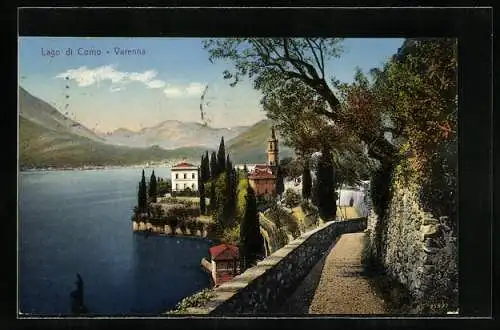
(79, 222)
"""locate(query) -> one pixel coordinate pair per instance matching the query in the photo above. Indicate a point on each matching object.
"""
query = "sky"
(108, 91)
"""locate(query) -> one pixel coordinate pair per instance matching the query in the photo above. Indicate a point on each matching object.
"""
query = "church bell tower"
(272, 149)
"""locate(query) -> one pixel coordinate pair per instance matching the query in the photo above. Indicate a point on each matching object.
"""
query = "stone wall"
(144, 226)
(261, 289)
(419, 250)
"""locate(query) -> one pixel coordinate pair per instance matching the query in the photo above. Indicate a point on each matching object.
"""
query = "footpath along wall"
(262, 288)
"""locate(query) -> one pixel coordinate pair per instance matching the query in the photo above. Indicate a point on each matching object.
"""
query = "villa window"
(185, 175)
(192, 186)
(184, 185)
(176, 175)
(192, 176)
(176, 186)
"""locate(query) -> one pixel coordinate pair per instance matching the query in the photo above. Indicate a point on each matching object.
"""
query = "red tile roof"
(261, 173)
(184, 164)
(218, 250)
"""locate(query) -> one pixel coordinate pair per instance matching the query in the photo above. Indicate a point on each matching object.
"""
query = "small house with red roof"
(224, 263)
(184, 175)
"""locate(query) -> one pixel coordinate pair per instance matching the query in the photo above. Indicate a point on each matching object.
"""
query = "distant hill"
(251, 145)
(48, 138)
(172, 134)
(43, 114)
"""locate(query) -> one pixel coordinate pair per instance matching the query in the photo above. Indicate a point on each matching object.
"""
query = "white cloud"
(87, 77)
(143, 77)
(156, 84)
(194, 89)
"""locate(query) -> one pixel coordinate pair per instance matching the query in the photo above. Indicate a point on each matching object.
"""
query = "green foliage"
(325, 195)
(380, 189)
(292, 199)
(213, 197)
(221, 158)
(282, 218)
(195, 300)
(306, 182)
(291, 75)
(164, 187)
(248, 147)
(182, 211)
(213, 166)
(280, 185)
(206, 168)
(203, 206)
(231, 235)
(241, 198)
(251, 241)
(187, 192)
(222, 213)
(142, 198)
(153, 187)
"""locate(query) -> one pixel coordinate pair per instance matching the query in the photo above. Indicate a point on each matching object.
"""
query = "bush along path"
(336, 284)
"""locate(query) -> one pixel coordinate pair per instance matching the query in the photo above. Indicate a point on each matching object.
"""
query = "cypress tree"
(206, 167)
(280, 185)
(142, 202)
(221, 214)
(251, 241)
(231, 207)
(213, 200)
(201, 172)
(325, 186)
(153, 187)
(221, 157)
(306, 181)
(201, 189)
(229, 164)
(213, 166)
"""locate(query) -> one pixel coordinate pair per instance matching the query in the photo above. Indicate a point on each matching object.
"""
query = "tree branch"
(320, 66)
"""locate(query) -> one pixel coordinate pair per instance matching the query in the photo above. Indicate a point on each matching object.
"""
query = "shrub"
(292, 198)
(282, 218)
(195, 300)
(185, 193)
(231, 235)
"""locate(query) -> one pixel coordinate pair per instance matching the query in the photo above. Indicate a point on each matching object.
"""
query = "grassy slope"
(250, 146)
(39, 146)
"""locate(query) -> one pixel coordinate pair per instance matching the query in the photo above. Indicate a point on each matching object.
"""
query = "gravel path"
(335, 285)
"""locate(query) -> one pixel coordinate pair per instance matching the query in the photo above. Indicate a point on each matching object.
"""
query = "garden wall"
(261, 289)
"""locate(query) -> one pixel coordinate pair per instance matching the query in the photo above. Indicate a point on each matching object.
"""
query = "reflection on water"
(79, 222)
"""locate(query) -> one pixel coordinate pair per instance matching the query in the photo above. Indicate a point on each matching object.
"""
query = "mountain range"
(172, 134)
(47, 138)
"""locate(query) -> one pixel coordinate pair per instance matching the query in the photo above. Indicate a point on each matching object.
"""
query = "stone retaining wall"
(143, 226)
(261, 289)
(420, 251)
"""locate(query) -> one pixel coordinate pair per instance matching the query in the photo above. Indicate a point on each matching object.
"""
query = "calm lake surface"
(79, 222)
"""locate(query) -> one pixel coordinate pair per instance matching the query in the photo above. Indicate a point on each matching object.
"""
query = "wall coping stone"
(230, 288)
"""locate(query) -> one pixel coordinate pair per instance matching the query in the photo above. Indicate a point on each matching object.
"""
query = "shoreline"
(53, 169)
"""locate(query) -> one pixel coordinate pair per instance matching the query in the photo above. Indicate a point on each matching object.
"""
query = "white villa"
(184, 175)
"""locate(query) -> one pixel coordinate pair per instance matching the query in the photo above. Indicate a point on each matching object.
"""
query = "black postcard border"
(473, 27)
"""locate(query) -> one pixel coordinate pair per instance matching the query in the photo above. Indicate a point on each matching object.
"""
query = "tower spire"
(272, 149)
